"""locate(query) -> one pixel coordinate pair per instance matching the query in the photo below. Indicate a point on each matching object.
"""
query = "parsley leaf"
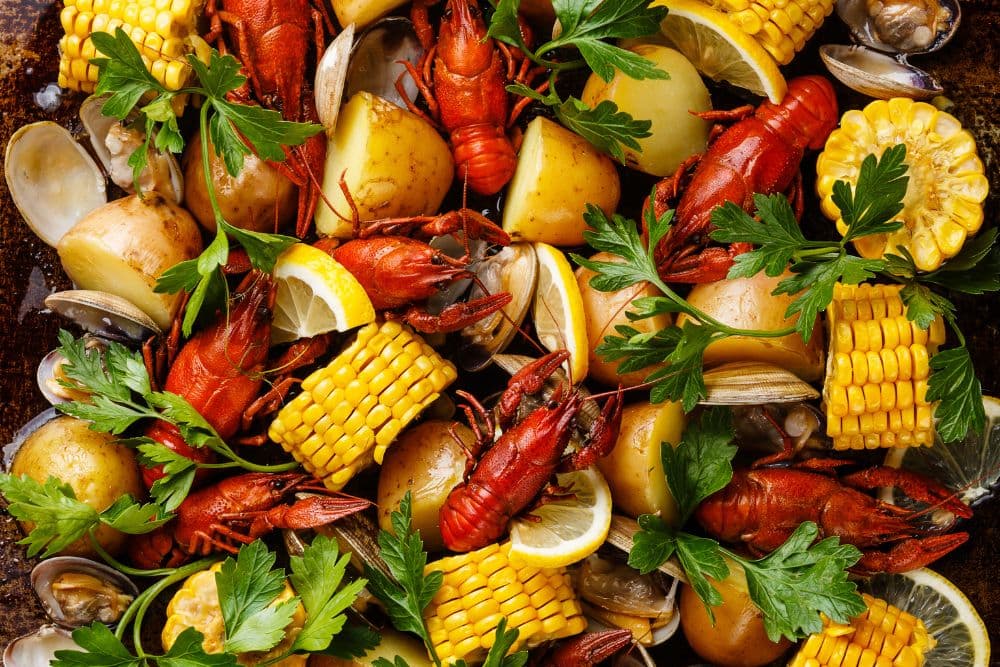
(975, 270)
(701, 464)
(122, 73)
(618, 236)
(953, 382)
(353, 641)
(248, 588)
(877, 197)
(924, 306)
(408, 591)
(187, 651)
(170, 490)
(702, 559)
(777, 234)
(100, 648)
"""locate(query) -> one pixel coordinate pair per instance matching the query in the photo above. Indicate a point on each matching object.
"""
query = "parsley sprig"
(121, 395)
(233, 129)
(808, 579)
(585, 25)
(405, 591)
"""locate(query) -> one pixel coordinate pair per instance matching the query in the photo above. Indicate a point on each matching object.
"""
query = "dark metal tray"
(969, 68)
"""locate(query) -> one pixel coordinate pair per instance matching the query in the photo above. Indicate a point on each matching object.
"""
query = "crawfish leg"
(910, 554)
(601, 438)
(454, 317)
(203, 543)
(474, 414)
(915, 486)
(423, 85)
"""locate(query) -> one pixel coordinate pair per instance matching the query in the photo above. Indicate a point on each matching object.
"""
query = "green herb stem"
(121, 567)
(205, 162)
(150, 594)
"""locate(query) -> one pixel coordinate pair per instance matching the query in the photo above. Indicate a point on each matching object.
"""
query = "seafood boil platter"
(569, 332)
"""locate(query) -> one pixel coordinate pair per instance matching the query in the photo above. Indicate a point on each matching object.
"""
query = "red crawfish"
(462, 79)
(273, 41)
(761, 507)
(238, 510)
(520, 464)
(758, 154)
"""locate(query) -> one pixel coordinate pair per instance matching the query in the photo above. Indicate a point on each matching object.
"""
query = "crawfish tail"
(807, 114)
(473, 516)
(484, 157)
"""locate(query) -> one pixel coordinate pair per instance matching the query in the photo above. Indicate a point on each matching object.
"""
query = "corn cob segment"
(882, 636)
(351, 411)
(481, 587)
(161, 30)
(946, 187)
(782, 27)
(876, 382)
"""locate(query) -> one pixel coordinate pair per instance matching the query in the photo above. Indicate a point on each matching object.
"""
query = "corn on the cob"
(946, 188)
(481, 587)
(349, 412)
(162, 30)
(196, 605)
(882, 636)
(876, 383)
(782, 27)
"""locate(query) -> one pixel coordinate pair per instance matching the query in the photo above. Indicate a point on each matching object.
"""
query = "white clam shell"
(104, 314)
(46, 572)
(376, 61)
(876, 74)
(39, 648)
(54, 182)
(331, 76)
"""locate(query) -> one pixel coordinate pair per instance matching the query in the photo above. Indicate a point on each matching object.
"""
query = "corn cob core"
(196, 605)
(160, 29)
(782, 27)
(351, 411)
(483, 586)
(882, 636)
(876, 381)
(946, 188)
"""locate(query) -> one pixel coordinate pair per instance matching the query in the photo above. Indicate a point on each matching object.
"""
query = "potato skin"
(394, 162)
(747, 303)
(124, 246)
(737, 638)
(558, 173)
(605, 311)
(427, 462)
(363, 12)
(676, 134)
(249, 201)
(634, 469)
(99, 471)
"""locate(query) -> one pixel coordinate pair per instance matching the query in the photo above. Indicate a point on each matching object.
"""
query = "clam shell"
(376, 60)
(48, 383)
(331, 77)
(103, 314)
(876, 74)
(754, 383)
(46, 573)
(54, 182)
(38, 649)
(893, 26)
(10, 449)
(515, 270)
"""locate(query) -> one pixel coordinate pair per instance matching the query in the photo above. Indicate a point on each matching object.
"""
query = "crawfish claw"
(456, 316)
(909, 554)
(589, 649)
(915, 486)
(528, 380)
(602, 436)
(310, 512)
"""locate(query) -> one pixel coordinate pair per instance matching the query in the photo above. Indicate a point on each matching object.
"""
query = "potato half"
(394, 163)
(124, 246)
(747, 303)
(363, 12)
(98, 470)
(676, 133)
(558, 173)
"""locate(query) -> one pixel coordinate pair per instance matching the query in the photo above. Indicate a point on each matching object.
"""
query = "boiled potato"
(427, 462)
(558, 173)
(394, 162)
(737, 637)
(363, 12)
(676, 133)
(259, 199)
(393, 643)
(99, 471)
(605, 311)
(747, 303)
(634, 469)
(124, 246)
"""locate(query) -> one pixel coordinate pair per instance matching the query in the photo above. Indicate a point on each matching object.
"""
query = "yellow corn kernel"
(342, 420)
(876, 386)
(483, 586)
(782, 27)
(882, 635)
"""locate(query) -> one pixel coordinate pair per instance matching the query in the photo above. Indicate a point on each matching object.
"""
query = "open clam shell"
(77, 591)
(54, 182)
(331, 77)
(39, 648)
(376, 61)
(901, 26)
(877, 74)
(754, 383)
(113, 143)
(103, 314)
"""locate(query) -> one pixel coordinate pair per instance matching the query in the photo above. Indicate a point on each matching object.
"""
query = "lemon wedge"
(565, 530)
(558, 313)
(948, 615)
(315, 294)
(719, 49)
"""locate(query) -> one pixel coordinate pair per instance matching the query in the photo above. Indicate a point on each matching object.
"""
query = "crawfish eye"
(447, 14)
(474, 10)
